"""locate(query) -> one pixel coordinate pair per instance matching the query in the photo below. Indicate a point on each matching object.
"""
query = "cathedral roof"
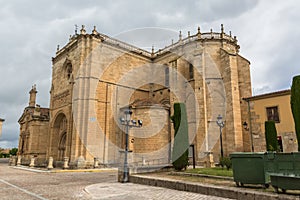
(214, 36)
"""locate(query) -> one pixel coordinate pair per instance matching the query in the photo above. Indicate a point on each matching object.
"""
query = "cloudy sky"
(268, 32)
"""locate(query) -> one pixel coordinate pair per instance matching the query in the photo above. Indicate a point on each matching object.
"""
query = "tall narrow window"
(167, 77)
(174, 73)
(69, 70)
(191, 71)
(272, 114)
(174, 64)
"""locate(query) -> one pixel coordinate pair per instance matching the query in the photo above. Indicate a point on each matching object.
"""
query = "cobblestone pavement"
(130, 191)
(26, 185)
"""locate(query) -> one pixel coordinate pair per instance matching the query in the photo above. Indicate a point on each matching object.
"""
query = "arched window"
(67, 69)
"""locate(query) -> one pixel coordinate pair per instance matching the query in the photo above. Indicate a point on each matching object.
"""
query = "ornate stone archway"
(58, 138)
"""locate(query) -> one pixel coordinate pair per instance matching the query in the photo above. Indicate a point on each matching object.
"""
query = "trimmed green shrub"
(225, 162)
(271, 136)
(295, 105)
(13, 151)
(181, 139)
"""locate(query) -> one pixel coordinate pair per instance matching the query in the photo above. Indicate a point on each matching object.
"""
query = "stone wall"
(94, 77)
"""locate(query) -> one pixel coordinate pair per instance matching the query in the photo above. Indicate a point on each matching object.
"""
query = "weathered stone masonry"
(94, 77)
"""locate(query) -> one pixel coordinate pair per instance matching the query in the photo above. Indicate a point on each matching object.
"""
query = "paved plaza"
(23, 184)
(118, 191)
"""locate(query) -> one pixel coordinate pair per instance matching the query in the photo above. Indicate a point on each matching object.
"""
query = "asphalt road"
(23, 185)
(30, 185)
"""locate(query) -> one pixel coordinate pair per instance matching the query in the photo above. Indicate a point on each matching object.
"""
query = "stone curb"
(201, 175)
(84, 170)
(220, 191)
(31, 169)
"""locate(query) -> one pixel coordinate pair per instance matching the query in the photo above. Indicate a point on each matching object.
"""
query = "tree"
(271, 136)
(13, 151)
(181, 139)
(295, 105)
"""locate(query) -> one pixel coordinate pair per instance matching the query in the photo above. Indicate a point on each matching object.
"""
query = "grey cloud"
(211, 10)
(269, 38)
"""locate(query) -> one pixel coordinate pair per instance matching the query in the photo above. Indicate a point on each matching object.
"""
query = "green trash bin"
(282, 163)
(285, 182)
(249, 168)
(296, 163)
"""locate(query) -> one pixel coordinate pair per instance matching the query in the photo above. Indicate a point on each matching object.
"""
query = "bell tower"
(32, 97)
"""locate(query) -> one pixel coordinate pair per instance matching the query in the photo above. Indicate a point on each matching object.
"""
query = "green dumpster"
(286, 175)
(296, 163)
(285, 182)
(249, 168)
(284, 163)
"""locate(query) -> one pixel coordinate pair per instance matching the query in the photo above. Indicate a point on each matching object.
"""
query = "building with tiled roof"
(274, 106)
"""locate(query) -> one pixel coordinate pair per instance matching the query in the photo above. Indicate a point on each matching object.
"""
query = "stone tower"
(32, 96)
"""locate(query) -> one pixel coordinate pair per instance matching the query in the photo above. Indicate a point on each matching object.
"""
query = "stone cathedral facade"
(95, 77)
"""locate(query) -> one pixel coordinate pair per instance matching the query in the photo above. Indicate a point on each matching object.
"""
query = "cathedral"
(95, 78)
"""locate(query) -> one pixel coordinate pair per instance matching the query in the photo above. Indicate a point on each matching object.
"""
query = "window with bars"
(272, 114)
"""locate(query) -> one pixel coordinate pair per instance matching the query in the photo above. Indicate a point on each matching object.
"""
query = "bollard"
(144, 161)
(32, 162)
(50, 163)
(120, 175)
(210, 160)
(96, 163)
(66, 163)
(12, 161)
(19, 161)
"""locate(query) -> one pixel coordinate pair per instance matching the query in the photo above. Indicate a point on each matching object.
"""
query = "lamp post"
(245, 125)
(128, 123)
(221, 124)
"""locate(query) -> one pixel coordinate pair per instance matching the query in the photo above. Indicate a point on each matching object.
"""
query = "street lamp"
(245, 125)
(128, 123)
(221, 124)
